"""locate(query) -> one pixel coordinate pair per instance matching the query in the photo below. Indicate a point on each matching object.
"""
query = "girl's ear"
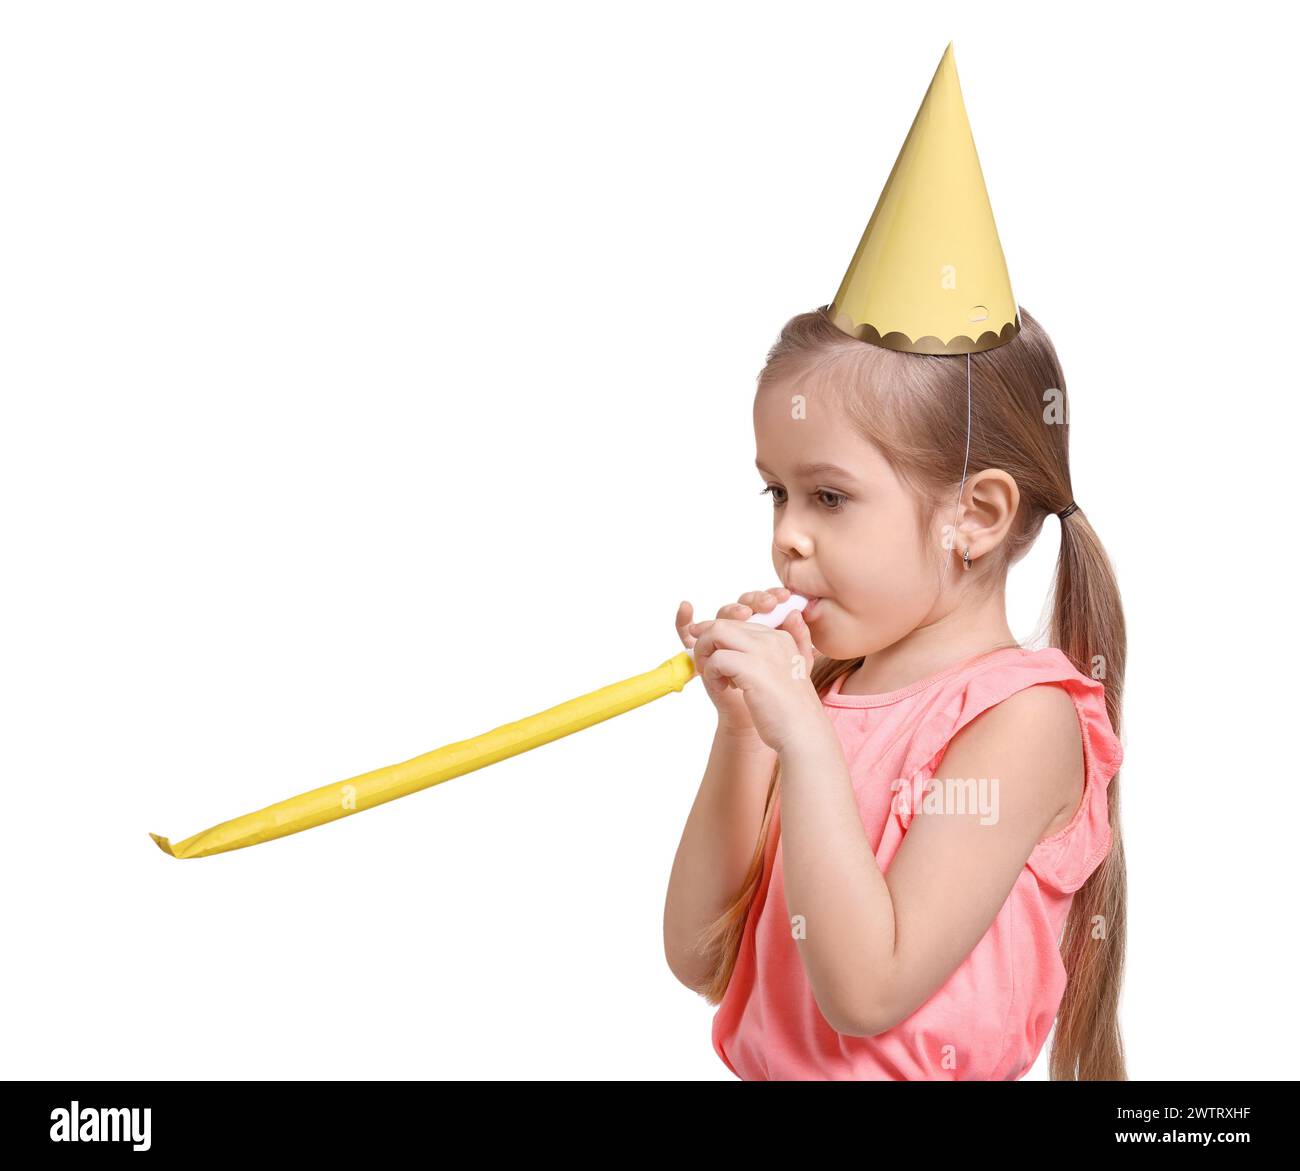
(991, 499)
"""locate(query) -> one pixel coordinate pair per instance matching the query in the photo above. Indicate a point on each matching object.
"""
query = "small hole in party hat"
(979, 313)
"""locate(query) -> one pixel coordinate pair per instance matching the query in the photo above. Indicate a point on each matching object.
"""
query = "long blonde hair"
(913, 407)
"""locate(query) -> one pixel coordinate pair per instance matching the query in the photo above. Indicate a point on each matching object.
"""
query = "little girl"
(905, 855)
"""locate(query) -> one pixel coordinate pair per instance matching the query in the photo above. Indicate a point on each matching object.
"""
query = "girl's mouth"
(810, 610)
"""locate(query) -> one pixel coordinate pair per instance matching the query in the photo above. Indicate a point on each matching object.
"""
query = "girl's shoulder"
(1067, 857)
(974, 688)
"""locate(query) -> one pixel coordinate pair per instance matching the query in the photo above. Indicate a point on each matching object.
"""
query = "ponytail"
(1088, 626)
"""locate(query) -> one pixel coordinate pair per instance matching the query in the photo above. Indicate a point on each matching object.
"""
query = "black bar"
(336, 1118)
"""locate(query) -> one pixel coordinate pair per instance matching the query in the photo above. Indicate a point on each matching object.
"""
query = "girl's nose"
(791, 539)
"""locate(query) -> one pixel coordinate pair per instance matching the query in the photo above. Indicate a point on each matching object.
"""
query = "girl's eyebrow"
(813, 470)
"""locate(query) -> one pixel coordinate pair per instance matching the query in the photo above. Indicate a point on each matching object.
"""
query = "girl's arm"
(717, 845)
(876, 947)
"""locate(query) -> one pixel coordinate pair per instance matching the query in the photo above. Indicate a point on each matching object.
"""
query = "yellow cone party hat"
(929, 276)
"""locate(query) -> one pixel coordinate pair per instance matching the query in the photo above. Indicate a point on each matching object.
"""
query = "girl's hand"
(733, 715)
(732, 712)
(757, 678)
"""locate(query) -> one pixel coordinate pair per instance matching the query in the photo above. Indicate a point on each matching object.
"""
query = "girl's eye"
(838, 498)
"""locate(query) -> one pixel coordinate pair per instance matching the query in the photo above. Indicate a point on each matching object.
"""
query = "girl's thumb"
(802, 635)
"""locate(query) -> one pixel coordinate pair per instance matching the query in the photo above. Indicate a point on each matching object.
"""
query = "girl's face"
(844, 527)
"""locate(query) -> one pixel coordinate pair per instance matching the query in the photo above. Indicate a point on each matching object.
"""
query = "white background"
(377, 374)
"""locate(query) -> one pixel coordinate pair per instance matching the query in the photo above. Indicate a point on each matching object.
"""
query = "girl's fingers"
(684, 614)
(754, 602)
(696, 629)
(764, 600)
(730, 634)
(795, 624)
(720, 667)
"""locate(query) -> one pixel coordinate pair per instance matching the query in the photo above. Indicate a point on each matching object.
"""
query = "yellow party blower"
(928, 277)
(420, 772)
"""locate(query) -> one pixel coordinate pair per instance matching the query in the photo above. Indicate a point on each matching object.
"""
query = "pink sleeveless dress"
(989, 1020)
